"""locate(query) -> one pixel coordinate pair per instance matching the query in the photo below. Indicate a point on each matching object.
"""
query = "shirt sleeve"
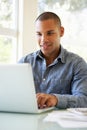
(71, 101)
(78, 96)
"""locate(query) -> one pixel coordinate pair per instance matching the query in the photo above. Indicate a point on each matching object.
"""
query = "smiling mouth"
(45, 45)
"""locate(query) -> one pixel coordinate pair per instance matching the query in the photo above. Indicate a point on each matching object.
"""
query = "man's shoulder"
(71, 54)
(29, 57)
(73, 57)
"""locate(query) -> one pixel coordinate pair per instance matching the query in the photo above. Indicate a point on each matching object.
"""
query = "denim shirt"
(66, 77)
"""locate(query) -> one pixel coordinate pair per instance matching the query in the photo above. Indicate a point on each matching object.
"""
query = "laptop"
(17, 90)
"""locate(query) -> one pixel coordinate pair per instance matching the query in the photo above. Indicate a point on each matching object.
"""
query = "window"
(8, 30)
(73, 14)
(17, 31)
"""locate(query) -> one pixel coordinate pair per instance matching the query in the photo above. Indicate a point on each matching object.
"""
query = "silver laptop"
(17, 91)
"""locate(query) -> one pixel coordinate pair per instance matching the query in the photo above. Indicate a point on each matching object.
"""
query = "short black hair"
(49, 15)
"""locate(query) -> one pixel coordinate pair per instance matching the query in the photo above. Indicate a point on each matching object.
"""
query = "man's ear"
(61, 31)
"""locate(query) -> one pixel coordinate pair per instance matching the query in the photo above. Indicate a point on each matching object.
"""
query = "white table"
(18, 121)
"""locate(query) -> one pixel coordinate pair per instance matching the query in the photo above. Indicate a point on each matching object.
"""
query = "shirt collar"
(39, 54)
(61, 56)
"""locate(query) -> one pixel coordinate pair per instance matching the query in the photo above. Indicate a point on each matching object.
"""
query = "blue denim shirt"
(66, 77)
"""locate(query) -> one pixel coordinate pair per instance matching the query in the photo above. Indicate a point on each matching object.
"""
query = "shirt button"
(44, 79)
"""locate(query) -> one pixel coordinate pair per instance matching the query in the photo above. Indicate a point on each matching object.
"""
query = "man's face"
(48, 36)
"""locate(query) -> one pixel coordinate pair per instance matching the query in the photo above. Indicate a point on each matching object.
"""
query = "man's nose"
(44, 38)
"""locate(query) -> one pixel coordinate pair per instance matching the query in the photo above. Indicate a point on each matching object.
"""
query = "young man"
(60, 76)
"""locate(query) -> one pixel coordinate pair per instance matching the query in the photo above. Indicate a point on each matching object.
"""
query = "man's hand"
(46, 100)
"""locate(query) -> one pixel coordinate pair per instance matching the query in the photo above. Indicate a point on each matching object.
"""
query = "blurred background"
(17, 32)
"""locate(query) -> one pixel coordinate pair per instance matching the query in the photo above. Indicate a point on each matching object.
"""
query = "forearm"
(67, 101)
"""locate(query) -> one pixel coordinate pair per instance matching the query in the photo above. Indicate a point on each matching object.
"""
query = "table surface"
(21, 121)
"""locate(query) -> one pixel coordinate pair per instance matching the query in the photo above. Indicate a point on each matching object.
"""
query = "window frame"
(24, 32)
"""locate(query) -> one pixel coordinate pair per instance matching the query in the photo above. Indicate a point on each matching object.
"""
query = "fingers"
(41, 101)
(46, 100)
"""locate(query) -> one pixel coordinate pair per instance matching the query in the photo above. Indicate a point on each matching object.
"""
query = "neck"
(50, 59)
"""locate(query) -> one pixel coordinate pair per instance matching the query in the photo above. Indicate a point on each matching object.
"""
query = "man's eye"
(50, 33)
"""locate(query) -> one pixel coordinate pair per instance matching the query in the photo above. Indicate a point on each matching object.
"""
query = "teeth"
(44, 45)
